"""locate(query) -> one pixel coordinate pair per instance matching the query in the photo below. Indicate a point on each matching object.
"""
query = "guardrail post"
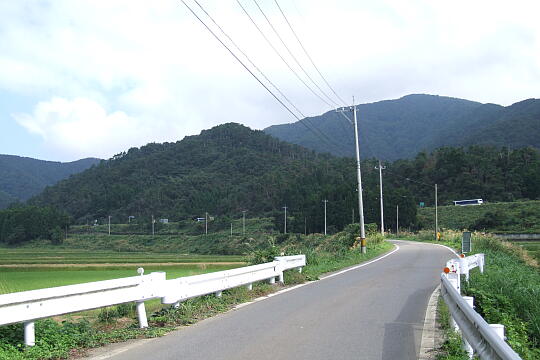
(499, 330)
(466, 346)
(481, 262)
(281, 279)
(249, 286)
(29, 334)
(300, 269)
(219, 293)
(141, 314)
(464, 268)
(272, 280)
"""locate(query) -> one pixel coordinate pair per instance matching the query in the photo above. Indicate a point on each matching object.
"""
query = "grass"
(21, 279)
(510, 217)
(451, 348)
(53, 255)
(507, 293)
(532, 247)
(74, 334)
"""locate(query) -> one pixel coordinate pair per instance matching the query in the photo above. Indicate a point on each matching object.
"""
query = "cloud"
(152, 65)
(83, 128)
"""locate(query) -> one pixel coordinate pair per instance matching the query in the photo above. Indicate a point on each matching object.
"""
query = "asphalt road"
(374, 312)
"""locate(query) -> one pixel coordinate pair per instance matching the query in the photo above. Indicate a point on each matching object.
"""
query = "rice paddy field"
(28, 269)
(532, 247)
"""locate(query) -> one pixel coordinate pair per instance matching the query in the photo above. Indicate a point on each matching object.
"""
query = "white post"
(464, 268)
(466, 346)
(359, 176)
(141, 314)
(381, 168)
(436, 216)
(281, 279)
(249, 286)
(272, 280)
(325, 201)
(481, 259)
(453, 278)
(397, 220)
(499, 330)
(176, 305)
(29, 334)
(219, 294)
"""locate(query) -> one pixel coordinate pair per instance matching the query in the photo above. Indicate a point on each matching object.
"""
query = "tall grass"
(509, 293)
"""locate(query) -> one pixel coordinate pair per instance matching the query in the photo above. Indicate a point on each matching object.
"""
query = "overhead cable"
(294, 57)
(314, 130)
(307, 54)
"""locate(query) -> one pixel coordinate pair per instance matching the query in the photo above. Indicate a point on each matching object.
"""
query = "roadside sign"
(422, 204)
(466, 242)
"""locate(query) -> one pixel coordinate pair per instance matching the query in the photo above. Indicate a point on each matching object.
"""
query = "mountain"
(399, 129)
(222, 171)
(22, 177)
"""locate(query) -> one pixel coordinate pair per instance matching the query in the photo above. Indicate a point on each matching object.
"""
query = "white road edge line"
(429, 331)
(320, 279)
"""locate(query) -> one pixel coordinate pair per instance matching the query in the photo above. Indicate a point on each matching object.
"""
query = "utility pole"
(359, 176)
(397, 220)
(206, 223)
(305, 226)
(285, 227)
(244, 222)
(381, 168)
(231, 230)
(352, 216)
(109, 225)
(436, 216)
(325, 201)
(153, 222)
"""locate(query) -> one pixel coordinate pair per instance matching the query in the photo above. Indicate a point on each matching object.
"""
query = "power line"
(248, 59)
(313, 130)
(280, 56)
(292, 55)
(307, 54)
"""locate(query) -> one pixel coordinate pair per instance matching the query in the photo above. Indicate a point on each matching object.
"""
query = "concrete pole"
(325, 201)
(436, 216)
(359, 175)
(244, 222)
(285, 225)
(206, 223)
(381, 168)
(397, 220)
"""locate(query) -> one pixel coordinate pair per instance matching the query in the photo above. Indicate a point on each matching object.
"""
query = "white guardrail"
(480, 338)
(29, 306)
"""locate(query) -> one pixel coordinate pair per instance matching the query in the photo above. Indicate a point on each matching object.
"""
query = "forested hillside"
(231, 168)
(399, 129)
(22, 177)
(222, 171)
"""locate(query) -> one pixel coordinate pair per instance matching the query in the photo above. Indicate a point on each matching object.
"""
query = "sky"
(95, 78)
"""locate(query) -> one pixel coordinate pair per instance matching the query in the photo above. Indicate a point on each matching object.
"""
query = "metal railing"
(485, 340)
(29, 306)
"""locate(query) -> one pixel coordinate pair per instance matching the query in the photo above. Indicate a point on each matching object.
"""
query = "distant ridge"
(23, 177)
(399, 129)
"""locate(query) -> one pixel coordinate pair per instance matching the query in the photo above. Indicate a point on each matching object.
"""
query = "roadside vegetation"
(501, 217)
(506, 293)
(72, 335)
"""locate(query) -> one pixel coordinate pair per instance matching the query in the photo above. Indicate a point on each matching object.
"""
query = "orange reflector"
(462, 255)
(446, 270)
